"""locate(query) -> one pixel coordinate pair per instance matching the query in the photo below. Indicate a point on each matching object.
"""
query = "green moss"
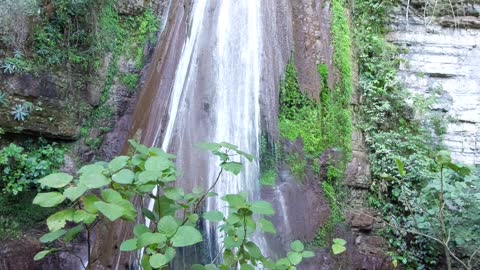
(268, 162)
(299, 115)
(268, 178)
(130, 81)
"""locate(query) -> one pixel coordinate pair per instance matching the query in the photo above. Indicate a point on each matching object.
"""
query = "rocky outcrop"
(441, 56)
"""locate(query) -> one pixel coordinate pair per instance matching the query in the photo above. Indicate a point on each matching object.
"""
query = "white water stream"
(227, 35)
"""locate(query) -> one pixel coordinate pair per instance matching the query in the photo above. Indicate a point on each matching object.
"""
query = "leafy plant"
(21, 111)
(338, 246)
(174, 215)
(446, 211)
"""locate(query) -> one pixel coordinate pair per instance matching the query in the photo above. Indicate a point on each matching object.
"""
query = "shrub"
(20, 168)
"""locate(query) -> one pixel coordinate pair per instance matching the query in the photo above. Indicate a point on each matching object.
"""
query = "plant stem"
(441, 219)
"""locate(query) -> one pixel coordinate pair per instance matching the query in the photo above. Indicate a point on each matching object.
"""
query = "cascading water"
(215, 97)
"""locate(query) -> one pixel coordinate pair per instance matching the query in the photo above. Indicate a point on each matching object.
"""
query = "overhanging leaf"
(215, 216)
(118, 163)
(110, 210)
(93, 180)
(48, 199)
(52, 236)
(56, 180)
(129, 245)
(233, 167)
(124, 176)
(263, 208)
(186, 236)
(73, 193)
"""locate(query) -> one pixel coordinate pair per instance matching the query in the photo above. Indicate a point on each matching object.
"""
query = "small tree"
(103, 191)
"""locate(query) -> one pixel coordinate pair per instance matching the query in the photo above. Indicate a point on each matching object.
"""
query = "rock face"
(439, 55)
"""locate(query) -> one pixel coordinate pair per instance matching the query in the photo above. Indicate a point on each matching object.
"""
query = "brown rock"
(362, 220)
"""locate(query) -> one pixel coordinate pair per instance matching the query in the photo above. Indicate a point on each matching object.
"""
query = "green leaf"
(118, 163)
(174, 193)
(400, 167)
(158, 260)
(124, 176)
(170, 253)
(233, 167)
(73, 193)
(461, 170)
(94, 180)
(229, 145)
(215, 216)
(233, 219)
(129, 210)
(56, 180)
(337, 249)
(246, 155)
(443, 157)
(58, 220)
(52, 236)
(339, 241)
(149, 214)
(146, 188)
(297, 246)
(186, 236)
(267, 226)
(91, 168)
(111, 196)
(84, 216)
(168, 225)
(42, 254)
(209, 146)
(254, 251)
(148, 176)
(308, 254)
(110, 210)
(73, 232)
(140, 229)
(157, 164)
(263, 208)
(234, 200)
(49, 199)
(145, 262)
(89, 203)
(139, 147)
(129, 245)
(198, 267)
(149, 238)
(294, 257)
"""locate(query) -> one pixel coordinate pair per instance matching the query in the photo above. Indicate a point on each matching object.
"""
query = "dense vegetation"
(21, 167)
(396, 135)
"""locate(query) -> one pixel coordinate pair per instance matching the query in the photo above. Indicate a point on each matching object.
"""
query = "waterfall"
(215, 98)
